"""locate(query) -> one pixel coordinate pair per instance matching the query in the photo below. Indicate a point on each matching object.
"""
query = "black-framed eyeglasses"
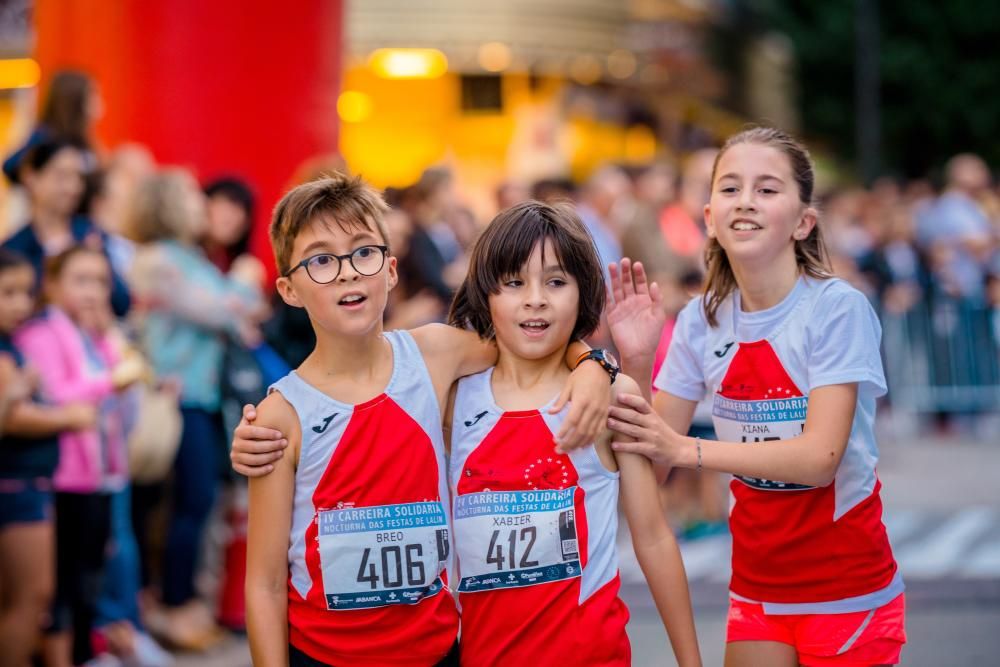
(324, 268)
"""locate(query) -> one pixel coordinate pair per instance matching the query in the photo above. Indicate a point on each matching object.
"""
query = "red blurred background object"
(235, 87)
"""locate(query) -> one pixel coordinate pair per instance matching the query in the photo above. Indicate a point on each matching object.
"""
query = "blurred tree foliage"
(939, 65)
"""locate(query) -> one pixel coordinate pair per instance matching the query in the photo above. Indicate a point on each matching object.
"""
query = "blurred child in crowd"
(30, 452)
(78, 363)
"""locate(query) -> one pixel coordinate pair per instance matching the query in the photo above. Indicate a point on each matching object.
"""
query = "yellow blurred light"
(621, 64)
(585, 70)
(494, 56)
(19, 73)
(354, 106)
(408, 63)
(640, 144)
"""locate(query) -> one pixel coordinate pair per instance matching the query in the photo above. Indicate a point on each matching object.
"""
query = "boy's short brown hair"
(505, 246)
(334, 199)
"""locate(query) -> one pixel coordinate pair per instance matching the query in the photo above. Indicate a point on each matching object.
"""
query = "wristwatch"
(604, 358)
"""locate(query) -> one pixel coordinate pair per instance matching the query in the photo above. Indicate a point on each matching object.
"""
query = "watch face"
(608, 357)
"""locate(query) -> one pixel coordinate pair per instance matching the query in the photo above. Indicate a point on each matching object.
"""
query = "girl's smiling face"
(755, 210)
(535, 311)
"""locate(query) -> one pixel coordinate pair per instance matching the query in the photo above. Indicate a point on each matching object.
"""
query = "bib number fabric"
(760, 421)
(382, 555)
(510, 539)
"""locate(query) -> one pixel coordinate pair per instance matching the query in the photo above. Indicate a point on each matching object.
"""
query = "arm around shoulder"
(460, 350)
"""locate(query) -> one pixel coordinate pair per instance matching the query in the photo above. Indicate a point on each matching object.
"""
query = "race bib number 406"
(509, 539)
(383, 555)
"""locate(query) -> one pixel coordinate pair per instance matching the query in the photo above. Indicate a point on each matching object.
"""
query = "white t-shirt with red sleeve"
(796, 549)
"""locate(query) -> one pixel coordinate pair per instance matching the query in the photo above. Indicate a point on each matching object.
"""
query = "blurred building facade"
(524, 89)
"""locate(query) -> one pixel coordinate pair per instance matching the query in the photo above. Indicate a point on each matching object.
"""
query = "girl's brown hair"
(65, 109)
(810, 253)
(505, 246)
(55, 265)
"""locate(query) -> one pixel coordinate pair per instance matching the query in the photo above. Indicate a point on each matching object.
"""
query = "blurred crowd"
(135, 322)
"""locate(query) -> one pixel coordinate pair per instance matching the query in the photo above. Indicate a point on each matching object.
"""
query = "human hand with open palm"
(635, 313)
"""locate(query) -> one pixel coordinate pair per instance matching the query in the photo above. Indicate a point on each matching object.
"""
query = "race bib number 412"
(509, 539)
(383, 555)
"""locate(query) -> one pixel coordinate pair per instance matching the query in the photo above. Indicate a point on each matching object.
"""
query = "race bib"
(509, 539)
(383, 555)
(760, 421)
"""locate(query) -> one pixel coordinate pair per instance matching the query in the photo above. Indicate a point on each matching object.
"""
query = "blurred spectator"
(113, 188)
(842, 214)
(672, 243)
(894, 268)
(402, 311)
(602, 200)
(52, 172)
(956, 231)
(642, 241)
(433, 244)
(656, 185)
(77, 362)
(72, 106)
(230, 217)
(466, 228)
(511, 192)
(30, 449)
(993, 299)
(553, 190)
(289, 332)
(188, 308)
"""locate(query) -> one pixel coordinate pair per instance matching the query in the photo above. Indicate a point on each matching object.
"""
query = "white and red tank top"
(796, 549)
(370, 539)
(535, 539)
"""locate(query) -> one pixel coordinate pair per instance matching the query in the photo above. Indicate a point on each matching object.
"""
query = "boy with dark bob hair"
(506, 246)
(349, 535)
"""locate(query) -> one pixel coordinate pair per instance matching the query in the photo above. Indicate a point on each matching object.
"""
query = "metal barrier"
(942, 355)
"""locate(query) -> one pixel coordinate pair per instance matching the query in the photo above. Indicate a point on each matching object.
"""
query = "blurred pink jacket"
(88, 460)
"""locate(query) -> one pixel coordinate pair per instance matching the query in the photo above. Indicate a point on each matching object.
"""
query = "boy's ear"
(392, 272)
(287, 292)
(709, 225)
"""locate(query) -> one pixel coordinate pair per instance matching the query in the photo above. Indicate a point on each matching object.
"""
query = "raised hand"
(635, 312)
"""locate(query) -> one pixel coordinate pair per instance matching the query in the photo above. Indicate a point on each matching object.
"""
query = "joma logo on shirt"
(470, 422)
(725, 350)
(326, 422)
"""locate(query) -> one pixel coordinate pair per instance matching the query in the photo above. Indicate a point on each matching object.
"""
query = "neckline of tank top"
(386, 392)
(511, 414)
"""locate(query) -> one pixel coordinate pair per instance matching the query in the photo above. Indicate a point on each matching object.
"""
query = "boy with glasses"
(349, 536)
